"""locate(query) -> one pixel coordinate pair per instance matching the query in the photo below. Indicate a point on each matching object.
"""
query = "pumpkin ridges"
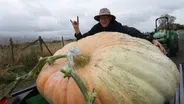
(105, 45)
(88, 78)
(106, 41)
(102, 91)
(57, 89)
(74, 95)
(60, 91)
(65, 96)
(46, 72)
(43, 77)
(158, 75)
(108, 63)
(48, 88)
(164, 72)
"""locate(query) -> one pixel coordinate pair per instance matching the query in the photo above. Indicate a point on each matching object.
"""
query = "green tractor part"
(167, 37)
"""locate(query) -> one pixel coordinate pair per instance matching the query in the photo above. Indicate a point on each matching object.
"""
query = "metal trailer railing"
(179, 98)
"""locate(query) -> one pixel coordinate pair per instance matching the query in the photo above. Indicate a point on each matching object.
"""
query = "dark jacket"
(114, 26)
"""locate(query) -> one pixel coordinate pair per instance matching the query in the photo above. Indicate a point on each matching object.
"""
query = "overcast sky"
(51, 17)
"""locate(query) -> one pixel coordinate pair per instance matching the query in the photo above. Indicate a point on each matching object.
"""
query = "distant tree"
(179, 26)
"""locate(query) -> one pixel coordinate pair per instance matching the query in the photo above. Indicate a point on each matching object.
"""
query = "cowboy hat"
(104, 12)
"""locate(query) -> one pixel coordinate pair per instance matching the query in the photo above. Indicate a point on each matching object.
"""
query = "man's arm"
(90, 32)
(80, 36)
(136, 33)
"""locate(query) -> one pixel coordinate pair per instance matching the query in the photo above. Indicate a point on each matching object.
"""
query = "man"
(107, 22)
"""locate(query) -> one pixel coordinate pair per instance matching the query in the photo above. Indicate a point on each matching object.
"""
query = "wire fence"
(41, 44)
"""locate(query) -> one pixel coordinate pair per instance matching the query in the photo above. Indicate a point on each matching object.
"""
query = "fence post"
(12, 53)
(41, 48)
(46, 47)
(63, 41)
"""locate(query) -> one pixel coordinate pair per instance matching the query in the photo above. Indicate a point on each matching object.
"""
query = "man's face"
(105, 20)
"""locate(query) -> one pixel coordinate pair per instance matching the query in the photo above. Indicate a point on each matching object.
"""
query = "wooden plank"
(181, 85)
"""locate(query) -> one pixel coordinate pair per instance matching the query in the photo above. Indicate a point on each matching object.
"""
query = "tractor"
(167, 37)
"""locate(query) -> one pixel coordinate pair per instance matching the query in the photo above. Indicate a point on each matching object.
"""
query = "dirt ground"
(180, 55)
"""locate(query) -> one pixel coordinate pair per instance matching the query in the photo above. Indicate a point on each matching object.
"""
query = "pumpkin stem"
(92, 97)
(81, 60)
(70, 72)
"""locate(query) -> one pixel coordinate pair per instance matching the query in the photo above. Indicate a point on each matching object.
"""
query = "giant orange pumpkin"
(121, 68)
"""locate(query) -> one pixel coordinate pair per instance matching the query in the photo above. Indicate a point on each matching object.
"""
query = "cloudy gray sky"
(51, 17)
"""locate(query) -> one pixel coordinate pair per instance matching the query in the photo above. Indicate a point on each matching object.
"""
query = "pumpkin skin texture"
(121, 68)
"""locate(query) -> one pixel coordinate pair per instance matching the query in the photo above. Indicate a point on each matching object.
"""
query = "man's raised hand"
(75, 24)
